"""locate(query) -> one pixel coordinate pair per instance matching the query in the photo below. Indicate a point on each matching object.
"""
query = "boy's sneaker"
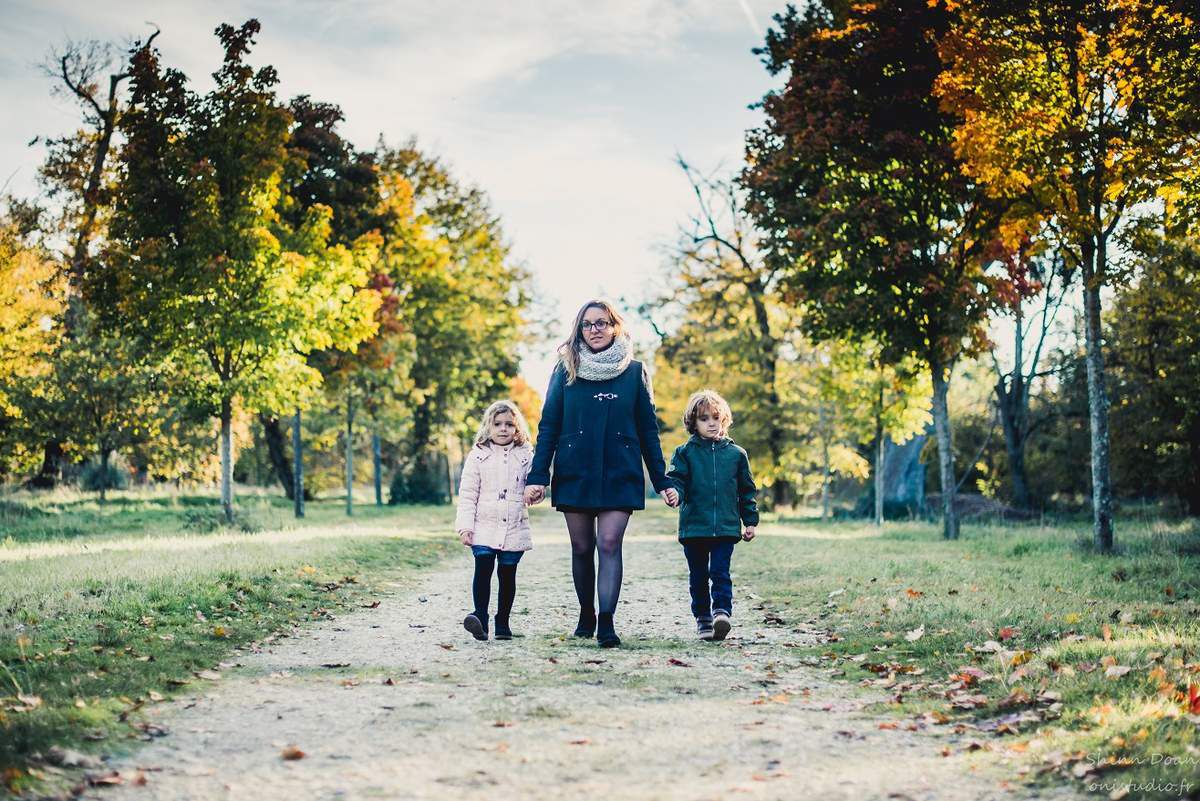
(720, 626)
(704, 629)
(476, 626)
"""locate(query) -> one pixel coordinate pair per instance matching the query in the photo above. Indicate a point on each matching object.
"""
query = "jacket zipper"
(715, 502)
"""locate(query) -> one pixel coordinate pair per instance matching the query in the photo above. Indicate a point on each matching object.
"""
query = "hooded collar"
(486, 449)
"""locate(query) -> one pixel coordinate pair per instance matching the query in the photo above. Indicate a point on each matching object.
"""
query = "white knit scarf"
(605, 364)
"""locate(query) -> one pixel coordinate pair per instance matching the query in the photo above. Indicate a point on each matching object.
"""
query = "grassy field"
(104, 608)
(1065, 661)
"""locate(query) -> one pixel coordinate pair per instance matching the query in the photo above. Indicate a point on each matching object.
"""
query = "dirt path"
(542, 716)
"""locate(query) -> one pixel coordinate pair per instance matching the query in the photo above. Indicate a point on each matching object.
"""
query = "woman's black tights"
(591, 532)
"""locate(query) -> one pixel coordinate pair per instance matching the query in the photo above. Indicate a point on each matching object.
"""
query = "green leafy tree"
(193, 269)
(853, 177)
(1155, 336)
(1085, 110)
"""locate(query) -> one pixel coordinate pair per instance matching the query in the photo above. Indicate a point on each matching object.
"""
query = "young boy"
(712, 476)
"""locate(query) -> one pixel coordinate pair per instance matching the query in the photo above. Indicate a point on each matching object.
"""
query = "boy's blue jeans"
(708, 561)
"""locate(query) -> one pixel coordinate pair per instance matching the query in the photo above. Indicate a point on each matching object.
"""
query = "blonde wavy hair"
(568, 352)
(709, 401)
(500, 407)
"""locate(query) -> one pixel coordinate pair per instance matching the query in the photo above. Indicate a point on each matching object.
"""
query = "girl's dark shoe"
(587, 624)
(503, 632)
(477, 627)
(606, 635)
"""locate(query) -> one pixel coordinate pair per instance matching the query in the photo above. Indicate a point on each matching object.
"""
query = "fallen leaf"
(502, 724)
(335, 664)
(109, 779)
(1007, 633)
(372, 605)
(389, 681)
(581, 741)
(889, 725)
(219, 631)
(211, 675)
(292, 753)
(1116, 671)
(911, 593)
(678, 662)
(916, 633)
(446, 645)
(153, 695)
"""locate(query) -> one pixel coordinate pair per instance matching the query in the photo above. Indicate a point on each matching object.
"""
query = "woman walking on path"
(598, 426)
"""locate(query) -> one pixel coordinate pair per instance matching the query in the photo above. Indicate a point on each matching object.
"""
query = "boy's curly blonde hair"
(707, 400)
(499, 407)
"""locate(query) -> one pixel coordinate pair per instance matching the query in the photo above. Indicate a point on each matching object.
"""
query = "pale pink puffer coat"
(491, 497)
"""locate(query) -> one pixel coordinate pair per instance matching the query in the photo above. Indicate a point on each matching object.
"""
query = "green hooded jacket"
(715, 487)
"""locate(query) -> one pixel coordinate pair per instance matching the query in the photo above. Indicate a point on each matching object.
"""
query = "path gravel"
(415, 709)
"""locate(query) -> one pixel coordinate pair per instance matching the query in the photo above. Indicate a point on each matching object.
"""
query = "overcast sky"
(567, 112)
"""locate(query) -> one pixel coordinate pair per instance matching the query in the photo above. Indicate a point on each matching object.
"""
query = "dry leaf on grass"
(916, 633)
(292, 753)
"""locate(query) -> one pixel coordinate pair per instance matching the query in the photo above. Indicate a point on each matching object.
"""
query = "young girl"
(492, 518)
(712, 475)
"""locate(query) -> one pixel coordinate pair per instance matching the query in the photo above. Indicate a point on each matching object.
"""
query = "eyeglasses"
(600, 326)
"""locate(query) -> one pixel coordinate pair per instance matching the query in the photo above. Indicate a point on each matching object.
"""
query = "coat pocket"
(569, 459)
(625, 458)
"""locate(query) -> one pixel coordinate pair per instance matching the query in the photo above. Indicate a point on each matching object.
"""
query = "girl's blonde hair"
(500, 407)
(568, 352)
(711, 402)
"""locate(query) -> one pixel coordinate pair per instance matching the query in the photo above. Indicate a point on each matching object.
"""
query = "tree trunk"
(105, 454)
(1014, 445)
(1102, 516)
(377, 464)
(227, 458)
(349, 454)
(297, 466)
(50, 473)
(277, 450)
(826, 473)
(941, 424)
(879, 446)
(1192, 492)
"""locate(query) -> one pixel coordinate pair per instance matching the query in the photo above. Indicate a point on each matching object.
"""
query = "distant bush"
(96, 477)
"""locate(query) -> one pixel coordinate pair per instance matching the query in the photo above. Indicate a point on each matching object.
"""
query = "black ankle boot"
(606, 635)
(587, 624)
(477, 625)
(503, 632)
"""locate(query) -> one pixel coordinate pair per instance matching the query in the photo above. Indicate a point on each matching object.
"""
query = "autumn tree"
(193, 269)
(853, 177)
(31, 303)
(1087, 108)
(466, 308)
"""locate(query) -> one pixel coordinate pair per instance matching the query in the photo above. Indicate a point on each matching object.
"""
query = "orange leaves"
(1192, 703)
(292, 753)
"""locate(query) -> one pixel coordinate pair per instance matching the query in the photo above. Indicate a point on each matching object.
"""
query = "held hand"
(749, 533)
(466, 537)
(670, 496)
(534, 494)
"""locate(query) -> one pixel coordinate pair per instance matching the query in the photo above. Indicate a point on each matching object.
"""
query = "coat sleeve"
(747, 505)
(647, 426)
(680, 474)
(468, 494)
(549, 427)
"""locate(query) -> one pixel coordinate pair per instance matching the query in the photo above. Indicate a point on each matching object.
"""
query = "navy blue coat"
(598, 433)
